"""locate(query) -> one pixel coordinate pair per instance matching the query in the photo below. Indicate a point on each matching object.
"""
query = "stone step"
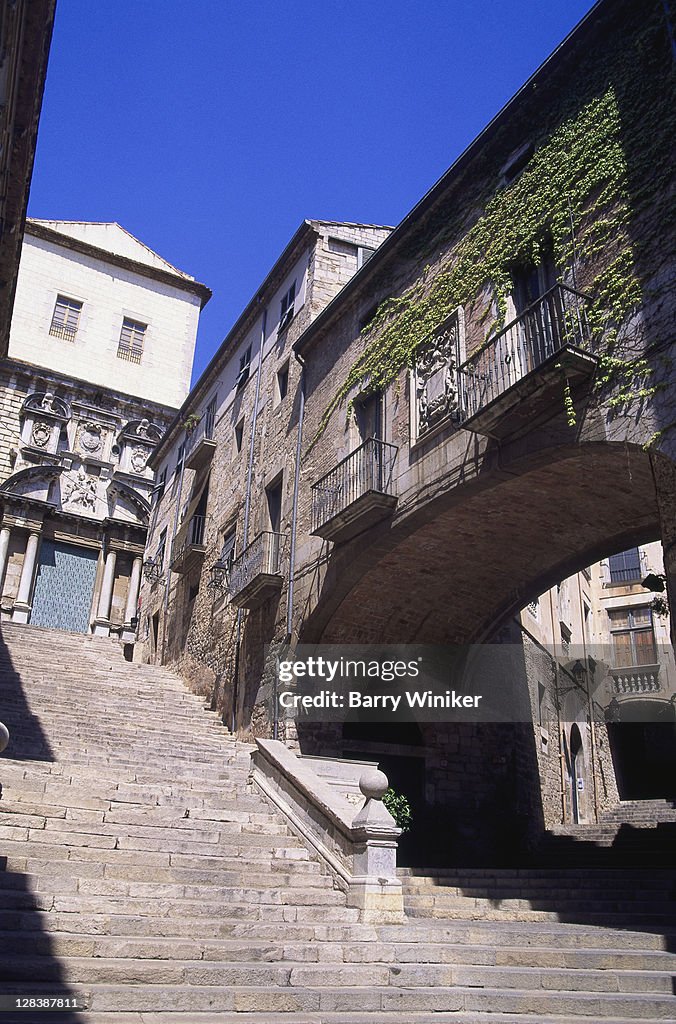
(365, 1000)
(256, 950)
(341, 1017)
(280, 974)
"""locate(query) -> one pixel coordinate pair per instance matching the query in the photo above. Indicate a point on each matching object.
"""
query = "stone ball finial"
(373, 784)
(4, 737)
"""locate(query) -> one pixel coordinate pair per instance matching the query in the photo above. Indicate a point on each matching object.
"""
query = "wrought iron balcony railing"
(190, 543)
(356, 493)
(556, 321)
(200, 444)
(256, 572)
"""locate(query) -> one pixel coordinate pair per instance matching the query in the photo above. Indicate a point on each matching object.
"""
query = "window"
(534, 608)
(633, 638)
(244, 369)
(286, 312)
(273, 494)
(161, 548)
(363, 254)
(565, 639)
(179, 459)
(368, 412)
(158, 489)
(210, 418)
(239, 436)
(542, 697)
(65, 318)
(283, 381)
(131, 341)
(227, 555)
(625, 567)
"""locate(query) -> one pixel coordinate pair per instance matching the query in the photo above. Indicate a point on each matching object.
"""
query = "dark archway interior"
(454, 571)
(644, 751)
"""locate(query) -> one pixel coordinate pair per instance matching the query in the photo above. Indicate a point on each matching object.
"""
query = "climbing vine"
(577, 195)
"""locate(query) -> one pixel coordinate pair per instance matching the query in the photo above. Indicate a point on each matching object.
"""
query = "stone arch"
(465, 559)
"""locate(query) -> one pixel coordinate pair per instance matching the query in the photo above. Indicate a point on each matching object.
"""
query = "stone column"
(22, 605)
(664, 472)
(5, 534)
(102, 620)
(128, 633)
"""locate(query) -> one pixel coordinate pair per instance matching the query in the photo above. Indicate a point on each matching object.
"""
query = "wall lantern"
(152, 570)
(219, 576)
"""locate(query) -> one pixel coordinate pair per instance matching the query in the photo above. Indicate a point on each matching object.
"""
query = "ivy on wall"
(577, 195)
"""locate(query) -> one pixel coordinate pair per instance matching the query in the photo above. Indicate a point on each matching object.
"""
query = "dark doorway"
(644, 751)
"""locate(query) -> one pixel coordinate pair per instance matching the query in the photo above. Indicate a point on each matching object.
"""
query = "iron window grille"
(65, 318)
(132, 338)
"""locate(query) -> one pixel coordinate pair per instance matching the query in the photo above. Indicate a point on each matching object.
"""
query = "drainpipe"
(167, 583)
(294, 524)
(247, 512)
(590, 704)
(294, 513)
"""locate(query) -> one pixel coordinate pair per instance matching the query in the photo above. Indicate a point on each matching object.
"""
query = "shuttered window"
(633, 638)
(132, 337)
(65, 318)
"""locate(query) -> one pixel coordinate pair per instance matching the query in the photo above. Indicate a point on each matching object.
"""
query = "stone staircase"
(140, 873)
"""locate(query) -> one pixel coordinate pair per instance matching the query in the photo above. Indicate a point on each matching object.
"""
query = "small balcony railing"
(190, 543)
(556, 323)
(639, 679)
(356, 493)
(200, 443)
(256, 574)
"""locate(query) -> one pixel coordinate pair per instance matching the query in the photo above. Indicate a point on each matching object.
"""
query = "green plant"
(591, 174)
(400, 809)
(191, 422)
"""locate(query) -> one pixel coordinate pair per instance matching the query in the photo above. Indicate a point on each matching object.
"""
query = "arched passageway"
(467, 559)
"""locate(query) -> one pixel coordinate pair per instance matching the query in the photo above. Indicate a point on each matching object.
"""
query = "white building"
(101, 347)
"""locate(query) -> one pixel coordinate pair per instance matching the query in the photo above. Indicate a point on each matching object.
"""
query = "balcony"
(518, 376)
(355, 494)
(255, 575)
(200, 444)
(637, 680)
(189, 544)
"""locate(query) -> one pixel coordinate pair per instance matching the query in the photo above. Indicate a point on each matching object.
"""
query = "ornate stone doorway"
(64, 587)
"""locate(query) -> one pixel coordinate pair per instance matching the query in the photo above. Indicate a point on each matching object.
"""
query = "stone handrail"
(360, 850)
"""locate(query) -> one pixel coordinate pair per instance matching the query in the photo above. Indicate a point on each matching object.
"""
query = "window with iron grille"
(625, 567)
(65, 318)
(132, 337)
(286, 311)
(633, 637)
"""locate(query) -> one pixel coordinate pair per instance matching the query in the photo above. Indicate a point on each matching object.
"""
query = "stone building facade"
(482, 411)
(600, 740)
(93, 305)
(225, 467)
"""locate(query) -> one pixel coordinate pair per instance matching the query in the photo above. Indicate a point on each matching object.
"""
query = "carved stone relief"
(139, 457)
(41, 434)
(436, 391)
(79, 490)
(91, 436)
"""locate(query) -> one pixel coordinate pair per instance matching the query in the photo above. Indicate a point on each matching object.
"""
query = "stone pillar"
(5, 534)
(102, 620)
(664, 473)
(129, 633)
(22, 605)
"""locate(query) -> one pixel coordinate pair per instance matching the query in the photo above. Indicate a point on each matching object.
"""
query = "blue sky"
(210, 129)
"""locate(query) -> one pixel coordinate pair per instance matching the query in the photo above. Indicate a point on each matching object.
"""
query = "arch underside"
(467, 560)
